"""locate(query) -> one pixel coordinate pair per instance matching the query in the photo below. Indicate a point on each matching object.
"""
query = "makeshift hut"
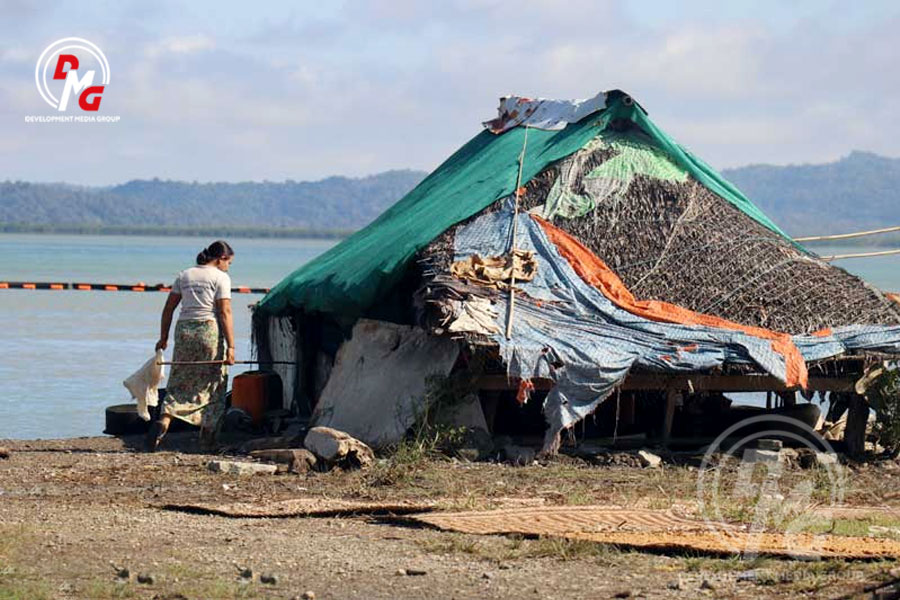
(570, 253)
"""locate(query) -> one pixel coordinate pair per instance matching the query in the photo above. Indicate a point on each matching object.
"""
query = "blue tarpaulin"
(566, 330)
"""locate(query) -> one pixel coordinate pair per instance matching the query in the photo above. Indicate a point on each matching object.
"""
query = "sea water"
(64, 354)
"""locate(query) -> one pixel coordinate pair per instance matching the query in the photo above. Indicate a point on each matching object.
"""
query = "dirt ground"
(72, 512)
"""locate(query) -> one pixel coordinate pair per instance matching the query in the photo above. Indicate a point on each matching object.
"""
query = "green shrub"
(884, 396)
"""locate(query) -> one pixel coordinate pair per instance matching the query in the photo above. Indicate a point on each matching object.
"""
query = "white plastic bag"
(144, 382)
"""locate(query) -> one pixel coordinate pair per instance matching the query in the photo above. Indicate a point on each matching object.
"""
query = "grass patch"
(218, 589)
(177, 571)
(25, 590)
(775, 502)
(500, 549)
(809, 577)
(208, 589)
(428, 439)
(11, 540)
(792, 576)
(566, 549)
(15, 584)
(709, 564)
(886, 526)
(465, 502)
(182, 575)
(455, 544)
(410, 471)
(104, 588)
(884, 396)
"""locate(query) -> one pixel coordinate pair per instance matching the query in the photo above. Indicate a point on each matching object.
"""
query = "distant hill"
(335, 204)
(860, 191)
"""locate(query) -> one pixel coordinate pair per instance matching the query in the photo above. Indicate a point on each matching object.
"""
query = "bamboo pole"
(515, 230)
(844, 236)
(860, 255)
(222, 362)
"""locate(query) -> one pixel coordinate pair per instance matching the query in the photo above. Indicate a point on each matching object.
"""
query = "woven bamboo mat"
(300, 507)
(656, 530)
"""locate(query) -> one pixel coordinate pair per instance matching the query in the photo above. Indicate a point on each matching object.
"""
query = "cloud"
(18, 13)
(17, 55)
(188, 44)
(309, 91)
(720, 64)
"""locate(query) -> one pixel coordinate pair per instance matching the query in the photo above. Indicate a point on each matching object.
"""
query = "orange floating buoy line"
(33, 285)
(108, 287)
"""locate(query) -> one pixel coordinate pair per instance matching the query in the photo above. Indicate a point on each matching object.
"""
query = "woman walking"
(196, 393)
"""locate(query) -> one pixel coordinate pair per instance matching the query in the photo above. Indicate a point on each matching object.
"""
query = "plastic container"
(256, 392)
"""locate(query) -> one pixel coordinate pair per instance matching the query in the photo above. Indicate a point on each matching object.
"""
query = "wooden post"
(855, 432)
(300, 404)
(672, 398)
(788, 398)
(627, 413)
(515, 228)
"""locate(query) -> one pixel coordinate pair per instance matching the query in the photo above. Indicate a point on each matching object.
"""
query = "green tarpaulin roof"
(351, 276)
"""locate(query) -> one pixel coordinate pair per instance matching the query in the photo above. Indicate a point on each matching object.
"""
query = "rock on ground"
(755, 455)
(477, 445)
(338, 448)
(298, 461)
(769, 444)
(518, 455)
(648, 459)
(240, 468)
(826, 459)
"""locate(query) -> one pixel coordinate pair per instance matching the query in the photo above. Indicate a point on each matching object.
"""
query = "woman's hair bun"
(218, 249)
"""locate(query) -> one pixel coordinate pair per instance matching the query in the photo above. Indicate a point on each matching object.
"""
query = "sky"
(275, 90)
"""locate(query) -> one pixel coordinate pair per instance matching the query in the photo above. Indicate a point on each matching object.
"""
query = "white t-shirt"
(200, 287)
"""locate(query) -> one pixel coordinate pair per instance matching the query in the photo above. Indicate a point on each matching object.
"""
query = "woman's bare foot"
(157, 432)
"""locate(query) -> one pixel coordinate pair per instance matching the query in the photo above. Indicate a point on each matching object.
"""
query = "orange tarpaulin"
(595, 272)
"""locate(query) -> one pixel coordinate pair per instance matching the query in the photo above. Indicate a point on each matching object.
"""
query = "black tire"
(123, 419)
